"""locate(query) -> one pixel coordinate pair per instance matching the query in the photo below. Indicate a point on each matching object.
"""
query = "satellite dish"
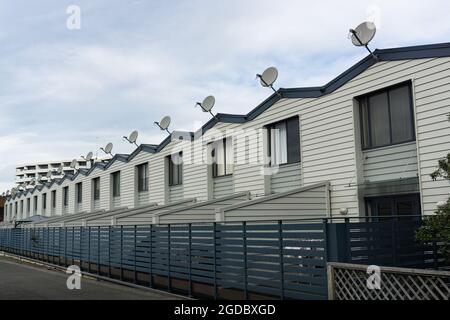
(74, 163)
(108, 148)
(362, 35)
(60, 170)
(33, 182)
(207, 105)
(89, 156)
(49, 175)
(39, 178)
(132, 138)
(268, 78)
(164, 124)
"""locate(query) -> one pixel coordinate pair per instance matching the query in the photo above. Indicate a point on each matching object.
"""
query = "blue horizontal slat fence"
(242, 260)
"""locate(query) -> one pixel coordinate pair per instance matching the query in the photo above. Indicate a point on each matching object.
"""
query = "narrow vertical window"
(284, 141)
(142, 176)
(175, 169)
(116, 184)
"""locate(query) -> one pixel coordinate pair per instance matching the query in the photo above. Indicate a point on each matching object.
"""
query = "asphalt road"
(24, 281)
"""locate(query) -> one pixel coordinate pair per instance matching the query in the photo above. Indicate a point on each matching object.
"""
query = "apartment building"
(26, 172)
(363, 144)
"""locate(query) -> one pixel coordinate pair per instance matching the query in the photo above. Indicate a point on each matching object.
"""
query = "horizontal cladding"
(223, 186)
(175, 193)
(432, 93)
(326, 137)
(304, 204)
(394, 162)
(286, 178)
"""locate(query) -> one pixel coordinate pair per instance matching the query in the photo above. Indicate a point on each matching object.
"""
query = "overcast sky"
(66, 92)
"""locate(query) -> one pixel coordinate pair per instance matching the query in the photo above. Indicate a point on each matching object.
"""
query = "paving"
(27, 281)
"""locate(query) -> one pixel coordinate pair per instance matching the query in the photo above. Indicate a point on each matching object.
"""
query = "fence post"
(121, 253)
(89, 249)
(348, 256)
(190, 258)
(244, 238)
(65, 246)
(109, 251)
(394, 242)
(81, 248)
(168, 259)
(135, 255)
(330, 273)
(73, 244)
(98, 250)
(215, 259)
(280, 243)
(151, 257)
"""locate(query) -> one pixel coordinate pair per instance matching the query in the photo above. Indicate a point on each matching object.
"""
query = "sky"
(65, 91)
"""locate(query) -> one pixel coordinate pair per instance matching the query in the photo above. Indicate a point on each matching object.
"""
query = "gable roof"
(392, 54)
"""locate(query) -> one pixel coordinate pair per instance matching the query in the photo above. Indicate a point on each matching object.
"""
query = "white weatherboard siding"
(329, 146)
(201, 212)
(286, 177)
(302, 203)
(393, 162)
(176, 193)
(432, 102)
(223, 186)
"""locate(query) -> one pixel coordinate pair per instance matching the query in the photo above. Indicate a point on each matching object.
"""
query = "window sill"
(390, 146)
(224, 176)
(285, 164)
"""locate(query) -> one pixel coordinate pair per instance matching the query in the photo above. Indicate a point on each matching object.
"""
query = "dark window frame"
(44, 201)
(393, 200)
(269, 127)
(79, 191)
(369, 145)
(96, 189)
(65, 196)
(142, 183)
(53, 195)
(214, 164)
(179, 180)
(115, 182)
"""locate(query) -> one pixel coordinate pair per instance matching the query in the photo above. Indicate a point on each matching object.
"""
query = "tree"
(437, 227)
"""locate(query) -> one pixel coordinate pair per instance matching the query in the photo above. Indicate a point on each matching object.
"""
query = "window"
(402, 205)
(175, 169)
(115, 184)
(65, 196)
(28, 205)
(222, 157)
(284, 141)
(142, 176)
(21, 206)
(44, 201)
(79, 191)
(54, 199)
(35, 198)
(387, 117)
(96, 188)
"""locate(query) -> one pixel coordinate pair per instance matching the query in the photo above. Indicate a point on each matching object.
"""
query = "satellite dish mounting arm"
(199, 104)
(267, 85)
(131, 141)
(352, 31)
(157, 123)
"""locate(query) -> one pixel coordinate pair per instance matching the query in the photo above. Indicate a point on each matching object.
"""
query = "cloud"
(63, 93)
